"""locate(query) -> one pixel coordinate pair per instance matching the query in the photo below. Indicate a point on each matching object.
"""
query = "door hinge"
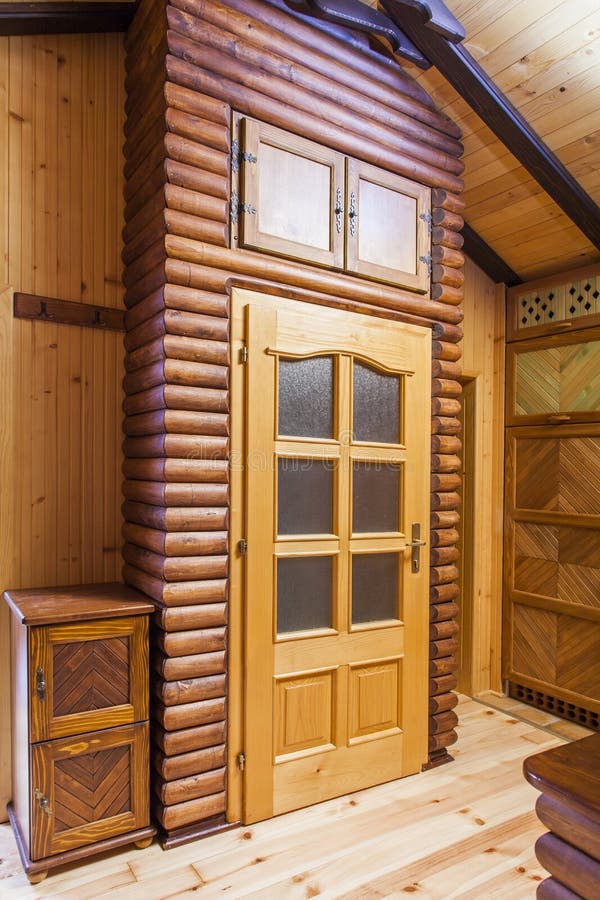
(427, 261)
(426, 217)
(241, 761)
(236, 207)
(242, 547)
(238, 156)
(244, 354)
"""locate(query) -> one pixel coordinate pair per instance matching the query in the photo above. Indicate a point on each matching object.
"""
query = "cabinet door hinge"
(427, 261)
(241, 761)
(236, 207)
(426, 217)
(238, 156)
(244, 354)
(242, 547)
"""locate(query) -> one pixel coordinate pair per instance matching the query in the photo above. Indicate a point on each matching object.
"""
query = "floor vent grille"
(555, 706)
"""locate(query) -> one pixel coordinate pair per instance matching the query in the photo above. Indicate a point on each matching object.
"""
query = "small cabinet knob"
(40, 684)
(43, 802)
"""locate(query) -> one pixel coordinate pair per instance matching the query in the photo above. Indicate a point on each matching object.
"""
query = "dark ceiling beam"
(487, 259)
(466, 75)
(64, 18)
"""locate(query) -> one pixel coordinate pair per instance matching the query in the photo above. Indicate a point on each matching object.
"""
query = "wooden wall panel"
(61, 121)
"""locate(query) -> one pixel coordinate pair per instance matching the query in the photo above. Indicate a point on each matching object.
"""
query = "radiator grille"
(554, 705)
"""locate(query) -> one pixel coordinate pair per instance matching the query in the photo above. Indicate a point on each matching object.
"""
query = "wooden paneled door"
(336, 470)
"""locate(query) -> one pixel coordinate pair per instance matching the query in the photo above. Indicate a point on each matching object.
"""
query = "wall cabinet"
(296, 198)
(80, 722)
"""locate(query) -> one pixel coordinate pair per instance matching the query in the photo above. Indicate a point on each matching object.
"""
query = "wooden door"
(337, 482)
(388, 233)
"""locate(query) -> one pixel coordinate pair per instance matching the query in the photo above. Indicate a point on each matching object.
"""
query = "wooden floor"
(464, 830)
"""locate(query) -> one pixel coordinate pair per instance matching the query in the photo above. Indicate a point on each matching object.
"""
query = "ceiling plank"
(492, 106)
(64, 18)
(487, 259)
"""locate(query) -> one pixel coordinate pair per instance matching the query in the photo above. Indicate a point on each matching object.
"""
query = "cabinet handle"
(40, 684)
(559, 418)
(353, 214)
(43, 802)
(339, 210)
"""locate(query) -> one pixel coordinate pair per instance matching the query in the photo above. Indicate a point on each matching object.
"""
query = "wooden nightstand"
(80, 722)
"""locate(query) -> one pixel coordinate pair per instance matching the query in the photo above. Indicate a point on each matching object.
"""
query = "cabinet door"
(87, 675)
(387, 235)
(290, 190)
(88, 788)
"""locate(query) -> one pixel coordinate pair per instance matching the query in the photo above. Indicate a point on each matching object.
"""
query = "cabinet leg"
(145, 842)
(36, 877)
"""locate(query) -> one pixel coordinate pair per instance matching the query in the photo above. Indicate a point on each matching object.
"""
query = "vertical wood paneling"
(61, 121)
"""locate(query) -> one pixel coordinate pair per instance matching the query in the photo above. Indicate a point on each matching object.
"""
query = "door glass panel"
(376, 406)
(374, 587)
(303, 593)
(305, 496)
(558, 379)
(306, 397)
(387, 232)
(375, 497)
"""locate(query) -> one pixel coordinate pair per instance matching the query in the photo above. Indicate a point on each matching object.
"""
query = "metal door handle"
(415, 546)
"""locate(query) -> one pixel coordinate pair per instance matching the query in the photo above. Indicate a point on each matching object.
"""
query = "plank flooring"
(464, 830)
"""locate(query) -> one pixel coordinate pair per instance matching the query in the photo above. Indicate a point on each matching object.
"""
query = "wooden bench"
(569, 806)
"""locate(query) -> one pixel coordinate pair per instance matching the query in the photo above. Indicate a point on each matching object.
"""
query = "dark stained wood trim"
(67, 312)
(64, 18)
(493, 107)
(487, 259)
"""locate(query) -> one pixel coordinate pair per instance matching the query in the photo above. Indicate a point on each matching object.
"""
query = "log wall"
(189, 64)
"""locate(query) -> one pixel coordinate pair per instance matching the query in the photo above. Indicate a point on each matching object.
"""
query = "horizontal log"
(182, 168)
(176, 421)
(144, 378)
(442, 274)
(196, 301)
(185, 324)
(149, 354)
(185, 618)
(446, 425)
(445, 462)
(176, 397)
(175, 667)
(444, 537)
(446, 666)
(189, 788)
(446, 407)
(146, 182)
(177, 568)
(441, 703)
(198, 129)
(445, 200)
(447, 238)
(444, 369)
(442, 684)
(257, 68)
(148, 212)
(170, 768)
(444, 519)
(441, 482)
(444, 610)
(176, 519)
(151, 281)
(445, 350)
(195, 204)
(442, 556)
(182, 814)
(442, 630)
(189, 740)
(444, 501)
(441, 443)
(443, 218)
(443, 593)
(156, 493)
(446, 294)
(441, 741)
(190, 690)
(195, 374)
(444, 647)
(177, 471)
(442, 574)
(256, 264)
(194, 227)
(281, 113)
(191, 643)
(446, 256)
(187, 593)
(198, 105)
(569, 865)
(177, 446)
(152, 257)
(196, 543)
(189, 715)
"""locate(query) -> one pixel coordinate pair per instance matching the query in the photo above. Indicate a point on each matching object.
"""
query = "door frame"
(237, 532)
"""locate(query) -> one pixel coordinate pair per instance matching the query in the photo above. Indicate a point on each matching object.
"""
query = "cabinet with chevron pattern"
(80, 722)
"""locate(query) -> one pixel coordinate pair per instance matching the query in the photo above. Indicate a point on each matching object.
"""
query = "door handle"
(415, 546)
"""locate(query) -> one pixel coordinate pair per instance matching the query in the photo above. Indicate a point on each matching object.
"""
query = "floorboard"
(464, 830)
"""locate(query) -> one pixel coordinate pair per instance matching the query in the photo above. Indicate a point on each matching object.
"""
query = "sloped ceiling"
(545, 56)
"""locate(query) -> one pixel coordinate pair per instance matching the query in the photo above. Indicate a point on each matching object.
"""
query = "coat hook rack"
(67, 312)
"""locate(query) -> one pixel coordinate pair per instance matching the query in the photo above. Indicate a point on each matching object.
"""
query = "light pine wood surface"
(463, 830)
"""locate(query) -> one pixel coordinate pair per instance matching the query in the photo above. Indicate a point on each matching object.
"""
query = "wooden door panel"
(304, 713)
(374, 700)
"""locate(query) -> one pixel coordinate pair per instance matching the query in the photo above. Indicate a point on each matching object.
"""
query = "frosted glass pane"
(303, 593)
(376, 406)
(387, 227)
(306, 397)
(374, 587)
(305, 497)
(295, 197)
(375, 497)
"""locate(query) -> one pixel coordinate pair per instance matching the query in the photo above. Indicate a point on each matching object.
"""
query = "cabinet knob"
(40, 684)
(43, 802)
(339, 210)
(353, 214)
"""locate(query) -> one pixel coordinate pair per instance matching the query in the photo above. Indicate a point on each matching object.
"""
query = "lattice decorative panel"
(559, 302)
(90, 675)
(91, 787)
(555, 705)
